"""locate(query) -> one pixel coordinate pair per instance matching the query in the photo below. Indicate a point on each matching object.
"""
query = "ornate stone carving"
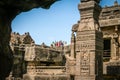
(88, 24)
(85, 55)
(75, 27)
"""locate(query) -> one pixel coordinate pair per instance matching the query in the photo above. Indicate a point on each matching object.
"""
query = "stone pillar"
(119, 45)
(70, 63)
(115, 45)
(89, 42)
(72, 55)
(113, 50)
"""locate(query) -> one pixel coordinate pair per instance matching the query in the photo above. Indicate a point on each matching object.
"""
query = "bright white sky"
(53, 24)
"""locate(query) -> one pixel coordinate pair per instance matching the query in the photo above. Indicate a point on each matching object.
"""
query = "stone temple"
(94, 52)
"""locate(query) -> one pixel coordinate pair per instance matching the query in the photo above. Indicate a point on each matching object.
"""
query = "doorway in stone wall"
(107, 49)
(72, 77)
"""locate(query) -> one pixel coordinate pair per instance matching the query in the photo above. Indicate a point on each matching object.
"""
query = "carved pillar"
(113, 49)
(71, 59)
(117, 41)
(119, 45)
(72, 55)
(89, 42)
(115, 45)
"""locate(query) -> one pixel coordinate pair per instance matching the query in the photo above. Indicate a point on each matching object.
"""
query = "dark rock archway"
(9, 9)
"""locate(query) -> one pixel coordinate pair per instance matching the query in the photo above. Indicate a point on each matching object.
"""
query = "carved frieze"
(109, 22)
(86, 45)
(85, 37)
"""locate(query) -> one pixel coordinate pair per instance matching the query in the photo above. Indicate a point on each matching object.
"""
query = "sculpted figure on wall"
(115, 44)
(88, 24)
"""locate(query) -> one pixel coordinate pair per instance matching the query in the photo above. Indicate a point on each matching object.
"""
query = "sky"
(54, 24)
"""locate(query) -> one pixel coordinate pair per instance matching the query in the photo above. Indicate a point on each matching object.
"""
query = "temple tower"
(89, 42)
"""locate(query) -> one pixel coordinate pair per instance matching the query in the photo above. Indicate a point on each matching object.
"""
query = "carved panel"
(85, 45)
(85, 37)
(85, 62)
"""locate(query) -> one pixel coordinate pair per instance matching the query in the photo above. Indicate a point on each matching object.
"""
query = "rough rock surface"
(9, 9)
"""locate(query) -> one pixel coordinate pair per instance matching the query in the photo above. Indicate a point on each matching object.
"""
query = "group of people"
(58, 43)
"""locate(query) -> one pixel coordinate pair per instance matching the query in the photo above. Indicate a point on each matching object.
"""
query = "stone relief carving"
(85, 56)
(75, 27)
(88, 24)
(85, 62)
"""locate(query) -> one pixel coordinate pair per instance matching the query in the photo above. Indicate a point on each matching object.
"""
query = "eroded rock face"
(5, 51)
(8, 11)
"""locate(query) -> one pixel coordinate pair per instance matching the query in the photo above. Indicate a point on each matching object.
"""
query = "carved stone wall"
(88, 55)
(110, 26)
